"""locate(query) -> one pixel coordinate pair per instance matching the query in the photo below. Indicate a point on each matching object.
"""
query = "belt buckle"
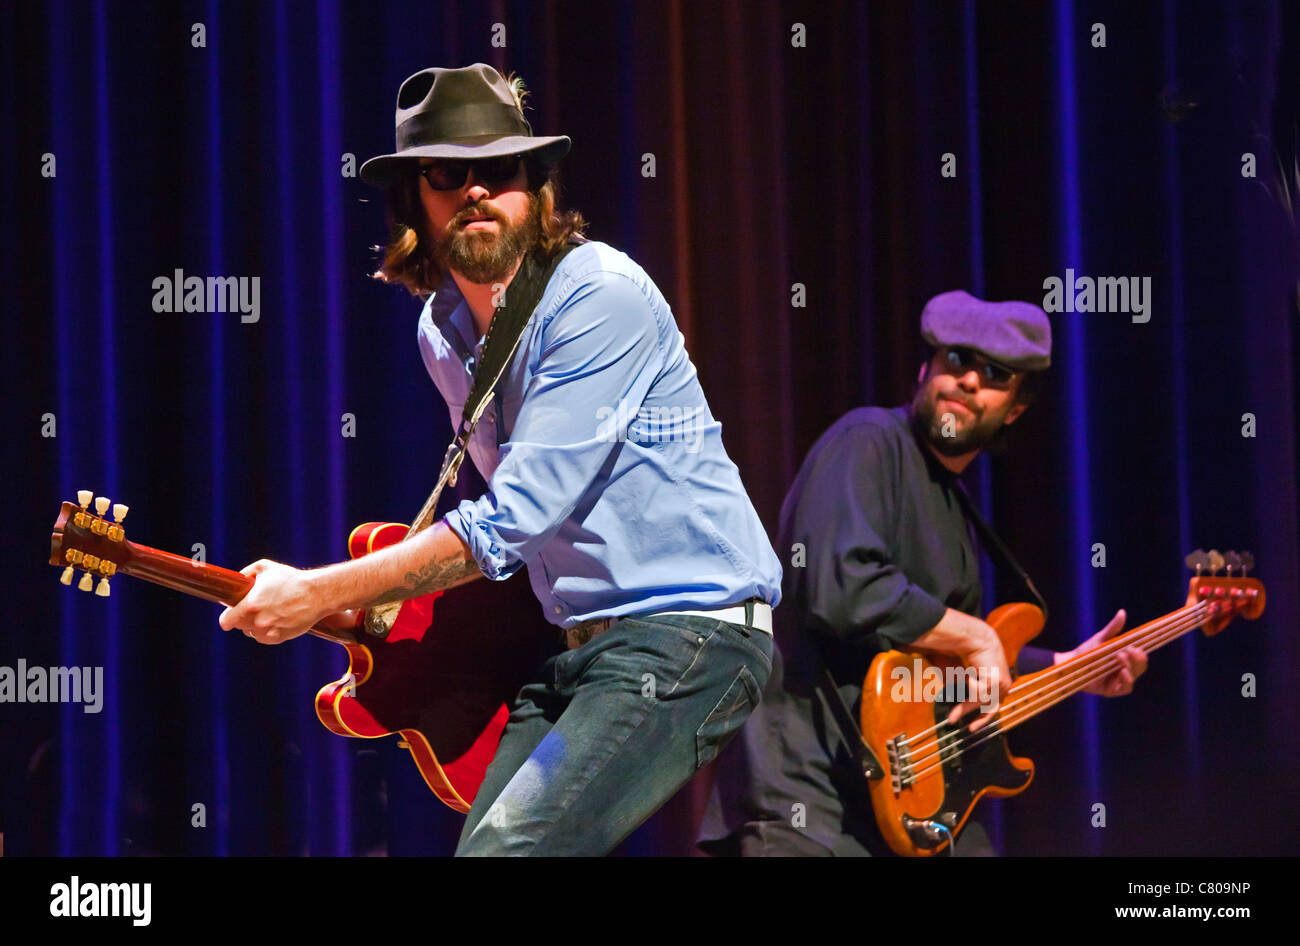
(584, 631)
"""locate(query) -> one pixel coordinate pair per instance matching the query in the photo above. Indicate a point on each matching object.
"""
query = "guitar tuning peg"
(84, 497)
(1233, 562)
(66, 577)
(1215, 561)
(85, 583)
(1247, 562)
(102, 588)
(101, 505)
(119, 511)
(1196, 560)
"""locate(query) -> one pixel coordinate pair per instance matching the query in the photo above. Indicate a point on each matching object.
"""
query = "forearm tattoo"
(429, 577)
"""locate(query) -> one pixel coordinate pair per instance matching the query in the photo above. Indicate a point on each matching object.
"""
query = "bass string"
(1040, 703)
(1050, 678)
(1154, 637)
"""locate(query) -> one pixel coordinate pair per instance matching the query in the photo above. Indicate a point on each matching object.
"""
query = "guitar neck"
(1036, 692)
(217, 584)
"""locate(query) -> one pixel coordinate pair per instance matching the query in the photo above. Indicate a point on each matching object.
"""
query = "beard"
(948, 432)
(483, 256)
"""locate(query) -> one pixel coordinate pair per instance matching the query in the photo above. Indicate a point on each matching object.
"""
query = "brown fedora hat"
(464, 113)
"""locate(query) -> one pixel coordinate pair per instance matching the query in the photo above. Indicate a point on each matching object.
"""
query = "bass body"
(927, 795)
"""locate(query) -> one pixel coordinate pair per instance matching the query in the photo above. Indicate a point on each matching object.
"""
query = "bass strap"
(850, 733)
(996, 546)
(505, 330)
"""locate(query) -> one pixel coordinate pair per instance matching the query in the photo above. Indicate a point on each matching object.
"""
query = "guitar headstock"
(1228, 595)
(86, 540)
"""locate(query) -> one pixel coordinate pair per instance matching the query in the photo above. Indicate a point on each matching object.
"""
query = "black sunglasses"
(960, 360)
(450, 174)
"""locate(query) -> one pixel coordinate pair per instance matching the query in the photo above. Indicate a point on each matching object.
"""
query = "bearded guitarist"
(889, 563)
(607, 479)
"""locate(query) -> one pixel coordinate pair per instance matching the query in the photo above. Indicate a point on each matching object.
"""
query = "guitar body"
(444, 676)
(922, 785)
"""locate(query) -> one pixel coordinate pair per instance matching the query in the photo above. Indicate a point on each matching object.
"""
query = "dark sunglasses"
(961, 360)
(448, 175)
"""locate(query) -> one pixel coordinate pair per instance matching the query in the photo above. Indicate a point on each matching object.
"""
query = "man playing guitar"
(606, 477)
(889, 564)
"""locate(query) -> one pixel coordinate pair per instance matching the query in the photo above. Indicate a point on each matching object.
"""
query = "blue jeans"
(611, 730)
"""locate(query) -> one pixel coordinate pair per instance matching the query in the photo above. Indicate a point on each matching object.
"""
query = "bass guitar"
(932, 773)
(444, 689)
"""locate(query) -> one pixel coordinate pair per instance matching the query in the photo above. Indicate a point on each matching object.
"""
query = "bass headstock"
(1228, 596)
(86, 540)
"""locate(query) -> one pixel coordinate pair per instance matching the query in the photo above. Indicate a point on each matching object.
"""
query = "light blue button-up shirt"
(606, 472)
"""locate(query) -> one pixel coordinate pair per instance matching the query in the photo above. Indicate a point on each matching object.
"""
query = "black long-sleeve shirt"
(876, 547)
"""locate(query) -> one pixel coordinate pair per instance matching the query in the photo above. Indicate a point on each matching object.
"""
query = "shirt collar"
(458, 331)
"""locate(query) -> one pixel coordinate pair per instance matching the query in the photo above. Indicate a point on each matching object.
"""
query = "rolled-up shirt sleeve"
(853, 589)
(600, 353)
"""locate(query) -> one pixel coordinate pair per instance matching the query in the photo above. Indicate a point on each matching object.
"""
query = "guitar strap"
(504, 333)
(850, 734)
(996, 546)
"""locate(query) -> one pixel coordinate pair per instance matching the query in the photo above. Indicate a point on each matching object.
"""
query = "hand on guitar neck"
(978, 645)
(1130, 662)
(280, 606)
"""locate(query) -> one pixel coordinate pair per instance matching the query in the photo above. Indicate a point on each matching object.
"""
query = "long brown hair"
(409, 260)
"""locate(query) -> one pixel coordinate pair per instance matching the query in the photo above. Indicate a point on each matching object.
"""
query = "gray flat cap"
(1015, 334)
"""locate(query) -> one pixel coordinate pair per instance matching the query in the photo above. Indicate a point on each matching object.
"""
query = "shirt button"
(559, 610)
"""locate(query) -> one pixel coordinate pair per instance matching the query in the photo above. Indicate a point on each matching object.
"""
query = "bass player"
(889, 564)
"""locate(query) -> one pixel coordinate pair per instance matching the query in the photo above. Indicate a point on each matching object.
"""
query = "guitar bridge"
(899, 756)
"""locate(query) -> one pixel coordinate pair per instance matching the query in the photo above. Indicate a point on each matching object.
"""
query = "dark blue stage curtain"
(793, 143)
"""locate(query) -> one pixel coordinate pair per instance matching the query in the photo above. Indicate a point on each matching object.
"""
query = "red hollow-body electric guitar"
(444, 688)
